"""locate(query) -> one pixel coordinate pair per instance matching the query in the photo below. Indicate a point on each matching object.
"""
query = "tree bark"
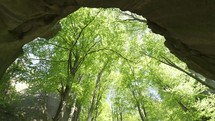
(99, 96)
(72, 111)
(62, 103)
(142, 116)
(90, 112)
(76, 116)
(121, 116)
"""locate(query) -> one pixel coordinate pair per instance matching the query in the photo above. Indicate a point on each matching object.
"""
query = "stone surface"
(188, 26)
(24, 20)
(189, 29)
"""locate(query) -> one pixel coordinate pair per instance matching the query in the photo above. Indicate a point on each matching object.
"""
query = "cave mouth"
(107, 61)
(159, 31)
(186, 25)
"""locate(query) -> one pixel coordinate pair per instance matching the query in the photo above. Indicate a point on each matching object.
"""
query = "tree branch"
(82, 30)
(57, 46)
(171, 64)
(41, 59)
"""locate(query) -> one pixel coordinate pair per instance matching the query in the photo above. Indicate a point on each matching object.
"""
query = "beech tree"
(106, 65)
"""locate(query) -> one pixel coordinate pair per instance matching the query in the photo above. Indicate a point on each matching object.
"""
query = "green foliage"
(134, 76)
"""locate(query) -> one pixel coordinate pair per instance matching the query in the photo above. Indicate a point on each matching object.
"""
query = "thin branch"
(98, 50)
(119, 54)
(171, 64)
(63, 37)
(82, 30)
(41, 59)
(57, 46)
(189, 74)
(87, 53)
(183, 106)
(69, 66)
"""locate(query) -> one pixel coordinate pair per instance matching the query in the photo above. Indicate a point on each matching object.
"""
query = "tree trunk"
(72, 68)
(97, 107)
(62, 104)
(140, 112)
(76, 116)
(138, 106)
(72, 110)
(121, 116)
(90, 112)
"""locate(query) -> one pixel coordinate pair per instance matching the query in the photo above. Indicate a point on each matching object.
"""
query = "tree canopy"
(106, 65)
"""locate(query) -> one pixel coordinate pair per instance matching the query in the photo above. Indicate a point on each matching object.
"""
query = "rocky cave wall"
(187, 25)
